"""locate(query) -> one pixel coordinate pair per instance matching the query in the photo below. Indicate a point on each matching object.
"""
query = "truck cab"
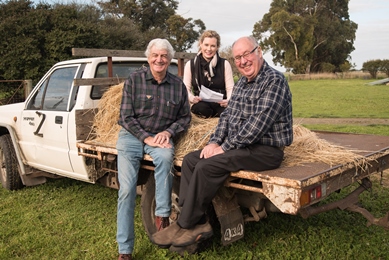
(43, 128)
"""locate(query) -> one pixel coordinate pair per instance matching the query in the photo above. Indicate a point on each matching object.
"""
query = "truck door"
(44, 137)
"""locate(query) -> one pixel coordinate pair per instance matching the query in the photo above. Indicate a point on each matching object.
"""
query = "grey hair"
(250, 38)
(160, 44)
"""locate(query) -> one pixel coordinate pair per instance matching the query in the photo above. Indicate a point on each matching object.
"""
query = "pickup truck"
(48, 136)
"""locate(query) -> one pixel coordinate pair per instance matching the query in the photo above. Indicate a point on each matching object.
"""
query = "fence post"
(27, 87)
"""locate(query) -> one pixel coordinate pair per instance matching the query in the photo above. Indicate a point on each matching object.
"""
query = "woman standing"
(209, 70)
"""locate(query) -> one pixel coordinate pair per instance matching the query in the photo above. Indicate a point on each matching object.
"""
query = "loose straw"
(306, 146)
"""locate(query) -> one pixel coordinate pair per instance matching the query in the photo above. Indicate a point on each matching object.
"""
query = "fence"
(14, 91)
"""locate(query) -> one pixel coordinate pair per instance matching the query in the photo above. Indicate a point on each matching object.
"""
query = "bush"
(385, 67)
(375, 66)
(327, 67)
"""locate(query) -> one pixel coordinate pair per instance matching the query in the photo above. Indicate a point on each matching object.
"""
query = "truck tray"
(375, 148)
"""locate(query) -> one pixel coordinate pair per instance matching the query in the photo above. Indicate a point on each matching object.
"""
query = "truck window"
(53, 93)
(121, 70)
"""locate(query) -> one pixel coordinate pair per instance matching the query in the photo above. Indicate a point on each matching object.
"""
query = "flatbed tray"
(375, 148)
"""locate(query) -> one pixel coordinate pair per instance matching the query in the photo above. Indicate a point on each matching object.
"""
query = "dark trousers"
(202, 178)
(207, 109)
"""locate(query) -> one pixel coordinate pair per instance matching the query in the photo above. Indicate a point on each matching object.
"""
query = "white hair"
(160, 44)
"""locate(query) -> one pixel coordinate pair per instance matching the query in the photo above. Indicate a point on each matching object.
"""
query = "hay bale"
(196, 137)
(306, 146)
(105, 124)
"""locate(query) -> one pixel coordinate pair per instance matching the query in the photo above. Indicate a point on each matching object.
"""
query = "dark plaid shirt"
(259, 112)
(148, 108)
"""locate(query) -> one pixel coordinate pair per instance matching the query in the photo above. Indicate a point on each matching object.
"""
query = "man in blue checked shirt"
(154, 108)
(251, 135)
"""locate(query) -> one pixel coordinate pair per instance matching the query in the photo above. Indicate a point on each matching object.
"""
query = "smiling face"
(158, 61)
(209, 47)
(248, 59)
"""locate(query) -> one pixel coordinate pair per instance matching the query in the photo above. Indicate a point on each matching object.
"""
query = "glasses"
(245, 55)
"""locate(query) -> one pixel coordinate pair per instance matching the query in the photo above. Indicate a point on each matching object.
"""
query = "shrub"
(372, 66)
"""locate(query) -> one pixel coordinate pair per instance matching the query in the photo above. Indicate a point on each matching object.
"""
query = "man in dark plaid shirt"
(251, 135)
(154, 108)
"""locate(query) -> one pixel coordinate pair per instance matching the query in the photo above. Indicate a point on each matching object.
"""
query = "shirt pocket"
(144, 105)
(170, 108)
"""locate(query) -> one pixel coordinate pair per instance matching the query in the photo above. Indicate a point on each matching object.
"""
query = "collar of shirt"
(257, 78)
(149, 76)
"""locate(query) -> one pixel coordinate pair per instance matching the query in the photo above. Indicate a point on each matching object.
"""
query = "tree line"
(35, 36)
(304, 36)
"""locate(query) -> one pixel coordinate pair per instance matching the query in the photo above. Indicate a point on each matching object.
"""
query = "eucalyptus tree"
(155, 19)
(182, 33)
(303, 35)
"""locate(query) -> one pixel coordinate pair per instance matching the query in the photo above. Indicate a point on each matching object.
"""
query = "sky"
(233, 19)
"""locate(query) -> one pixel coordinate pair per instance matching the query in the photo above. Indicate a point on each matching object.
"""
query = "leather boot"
(161, 222)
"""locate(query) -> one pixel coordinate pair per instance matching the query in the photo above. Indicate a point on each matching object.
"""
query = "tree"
(21, 40)
(226, 53)
(147, 14)
(327, 67)
(156, 19)
(346, 66)
(34, 37)
(120, 34)
(372, 66)
(182, 33)
(71, 26)
(385, 67)
(303, 34)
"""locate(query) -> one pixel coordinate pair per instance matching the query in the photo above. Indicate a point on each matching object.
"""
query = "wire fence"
(14, 91)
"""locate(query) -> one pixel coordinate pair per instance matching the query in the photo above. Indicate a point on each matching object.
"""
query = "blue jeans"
(130, 153)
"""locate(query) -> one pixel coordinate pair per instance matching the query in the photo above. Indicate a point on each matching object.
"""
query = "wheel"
(9, 172)
(148, 204)
(148, 216)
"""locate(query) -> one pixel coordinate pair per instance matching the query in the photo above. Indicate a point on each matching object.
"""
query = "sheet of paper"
(209, 95)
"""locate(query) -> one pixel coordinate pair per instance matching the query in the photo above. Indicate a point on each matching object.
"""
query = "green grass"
(339, 99)
(355, 129)
(69, 219)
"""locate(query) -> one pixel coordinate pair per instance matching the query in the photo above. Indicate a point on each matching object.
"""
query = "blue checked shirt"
(259, 112)
(148, 108)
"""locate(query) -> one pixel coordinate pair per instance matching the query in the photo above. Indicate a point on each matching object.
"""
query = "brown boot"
(125, 257)
(161, 222)
(197, 234)
(165, 237)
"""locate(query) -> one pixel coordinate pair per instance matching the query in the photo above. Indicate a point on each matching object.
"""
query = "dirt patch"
(341, 121)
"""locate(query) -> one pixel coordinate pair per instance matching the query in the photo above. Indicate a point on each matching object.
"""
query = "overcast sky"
(233, 19)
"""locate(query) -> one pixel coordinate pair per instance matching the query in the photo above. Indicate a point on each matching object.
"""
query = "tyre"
(9, 171)
(148, 216)
(148, 204)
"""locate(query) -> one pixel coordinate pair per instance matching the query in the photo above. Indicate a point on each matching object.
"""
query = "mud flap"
(230, 216)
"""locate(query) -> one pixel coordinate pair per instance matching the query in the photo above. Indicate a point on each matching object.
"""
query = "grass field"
(339, 98)
(352, 98)
(68, 219)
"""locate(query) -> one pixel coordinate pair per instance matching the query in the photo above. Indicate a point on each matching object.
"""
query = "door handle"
(58, 120)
